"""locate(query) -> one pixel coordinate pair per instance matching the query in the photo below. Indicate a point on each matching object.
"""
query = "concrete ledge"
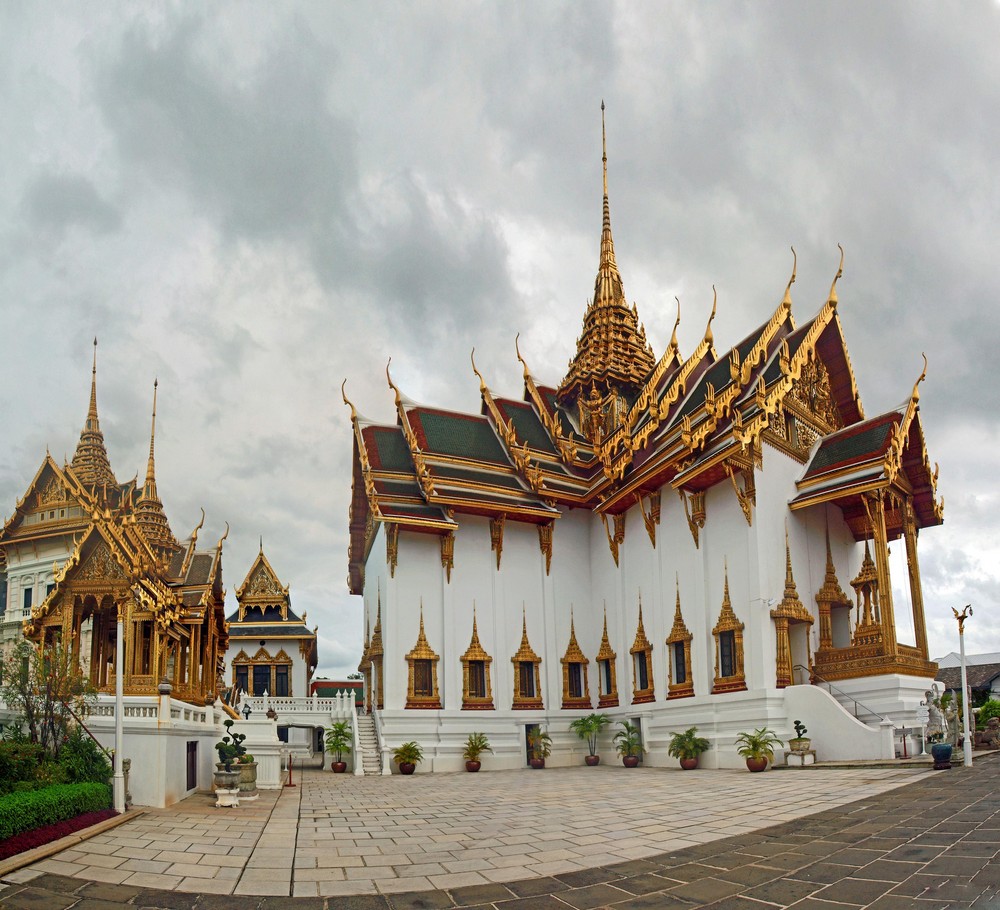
(46, 850)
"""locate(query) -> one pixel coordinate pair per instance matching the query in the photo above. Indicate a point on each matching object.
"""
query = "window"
(28, 592)
(607, 687)
(281, 682)
(49, 589)
(727, 654)
(575, 681)
(422, 683)
(261, 679)
(526, 679)
(680, 667)
(477, 678)
(641, 671)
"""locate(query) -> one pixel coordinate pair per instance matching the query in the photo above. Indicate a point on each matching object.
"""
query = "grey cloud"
(60, 201)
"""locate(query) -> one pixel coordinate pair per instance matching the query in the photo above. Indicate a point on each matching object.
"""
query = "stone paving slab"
(905, 840)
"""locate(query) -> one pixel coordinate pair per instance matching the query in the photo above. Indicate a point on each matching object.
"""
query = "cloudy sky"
(253, 201)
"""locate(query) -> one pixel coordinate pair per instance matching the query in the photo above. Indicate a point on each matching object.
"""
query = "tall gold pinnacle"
(149, 514)
(90, 461)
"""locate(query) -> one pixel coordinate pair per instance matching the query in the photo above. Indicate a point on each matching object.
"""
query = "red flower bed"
(48, 833)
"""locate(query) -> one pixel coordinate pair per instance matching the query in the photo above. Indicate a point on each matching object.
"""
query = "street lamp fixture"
(966, 735)
(246, 711)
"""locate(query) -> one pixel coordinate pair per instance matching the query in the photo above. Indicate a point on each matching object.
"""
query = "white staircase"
(370, 761)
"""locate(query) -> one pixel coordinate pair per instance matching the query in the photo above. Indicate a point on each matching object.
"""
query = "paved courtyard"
(340, 834)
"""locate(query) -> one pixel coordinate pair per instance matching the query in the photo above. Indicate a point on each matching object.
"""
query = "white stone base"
(225, 799)
(800, 759)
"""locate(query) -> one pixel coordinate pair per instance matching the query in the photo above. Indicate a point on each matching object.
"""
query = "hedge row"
(32, 809)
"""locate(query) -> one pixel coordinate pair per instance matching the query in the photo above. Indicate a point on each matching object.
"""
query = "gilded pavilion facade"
(669, 539)
(82, 549)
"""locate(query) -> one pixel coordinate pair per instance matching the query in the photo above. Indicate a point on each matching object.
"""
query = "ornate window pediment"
(607, 671)
(576, 690)
(729, 673)
(527, 674)
(681, 683)
(422, 685)
(642, 664)
(477, 687)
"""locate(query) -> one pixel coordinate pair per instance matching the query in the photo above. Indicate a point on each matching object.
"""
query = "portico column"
(876, 512)
(916, 590)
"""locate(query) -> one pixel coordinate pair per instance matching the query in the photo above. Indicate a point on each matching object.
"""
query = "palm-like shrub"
(589, 728)
(687, 744)
(628, 740)
(759, 744)
(476, 745)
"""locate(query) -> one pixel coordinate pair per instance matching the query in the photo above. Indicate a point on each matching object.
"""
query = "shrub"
(990, 708)
(18, 763)
(25, 811)
(83, 760)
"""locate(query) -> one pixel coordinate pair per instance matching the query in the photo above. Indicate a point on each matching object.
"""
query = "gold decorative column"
(916, 589)
(875, 505)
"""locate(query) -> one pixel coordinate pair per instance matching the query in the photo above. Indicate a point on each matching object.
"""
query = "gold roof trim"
(475, 651)
(728, 621)
(641, 643)
(679, 631)
(422, 649)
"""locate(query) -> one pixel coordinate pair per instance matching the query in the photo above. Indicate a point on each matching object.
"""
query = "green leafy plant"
(759, 744)
(628, 740)
(230, 747)
(83, 760)
(688, 744)
(25, 811)
(338, 739)
(539, 744)
(589, 728)
(476, 745)
(408, 753)
(989, 709)
(19, 762)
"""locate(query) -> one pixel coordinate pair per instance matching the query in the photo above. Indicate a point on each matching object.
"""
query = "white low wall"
(836, 735)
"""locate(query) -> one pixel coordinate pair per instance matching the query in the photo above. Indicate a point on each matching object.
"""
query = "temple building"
(695, 538)
(271, 650)
(82, 548)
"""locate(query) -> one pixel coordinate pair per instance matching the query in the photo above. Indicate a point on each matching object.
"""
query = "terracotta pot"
(757, 764)
(407, 767)
(630, 761)
(473, 765)
(338, 767)
(592, 760)
(537, 763)
(689, 764)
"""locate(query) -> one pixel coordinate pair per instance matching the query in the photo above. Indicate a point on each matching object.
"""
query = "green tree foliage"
(47, 691)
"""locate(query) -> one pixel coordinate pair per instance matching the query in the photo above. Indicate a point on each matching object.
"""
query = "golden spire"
(612, 350)
(90, 461)
(840, 271)
(791, 593)
(787, 302)
(149, 514)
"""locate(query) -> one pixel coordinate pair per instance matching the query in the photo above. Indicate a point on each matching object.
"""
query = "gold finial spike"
(150, 470)
(343, 394)
(482, 382)
(923, 375)
(604, 149)
(840, 271)
(224, 536)
(788, 559)
(527, 374)
(673, 338)
(392, 385)
(92, 410)
(709, 338)
(787, 302)
(261, 543)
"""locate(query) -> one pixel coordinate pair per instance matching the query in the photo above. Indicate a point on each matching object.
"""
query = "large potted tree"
(758, 747)
(589, 728)
(628, 742)
(475, 745)
(539, 748)
(686, 747)
(338, 742)
(407, 756)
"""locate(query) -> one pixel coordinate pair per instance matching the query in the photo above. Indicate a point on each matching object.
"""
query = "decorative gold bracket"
(696, 515)
(614, 541)
(391, 546)
(545, 543)
(496, 536)
(747, 496)
(652, 518)
(448, 553)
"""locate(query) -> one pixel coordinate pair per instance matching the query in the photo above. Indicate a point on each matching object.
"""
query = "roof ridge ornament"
(787, 301)
(674, 346)
(343, 394)
(840, 271)
(709, 337)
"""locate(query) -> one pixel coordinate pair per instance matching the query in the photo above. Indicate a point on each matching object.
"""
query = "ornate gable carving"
(100, 565)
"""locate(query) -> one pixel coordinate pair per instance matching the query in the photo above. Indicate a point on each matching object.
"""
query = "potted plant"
(407, 756)
(338, 742)
(540, 747)
(230, 749)
(475, 745)
(799, 743)
(628, 742)
(687, 746)
(589, 728)
(758, 747)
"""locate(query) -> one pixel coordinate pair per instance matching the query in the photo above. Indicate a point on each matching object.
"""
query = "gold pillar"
(916, 589)
(784, 653)
(876, 513)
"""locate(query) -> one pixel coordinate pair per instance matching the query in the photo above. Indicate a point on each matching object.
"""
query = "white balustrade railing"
(342, 705)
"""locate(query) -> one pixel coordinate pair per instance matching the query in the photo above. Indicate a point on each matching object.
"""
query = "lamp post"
(119, 776)
(966, 735)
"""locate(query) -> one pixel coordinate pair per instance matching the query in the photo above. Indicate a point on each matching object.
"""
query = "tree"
(355, 676)
(47, 691)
